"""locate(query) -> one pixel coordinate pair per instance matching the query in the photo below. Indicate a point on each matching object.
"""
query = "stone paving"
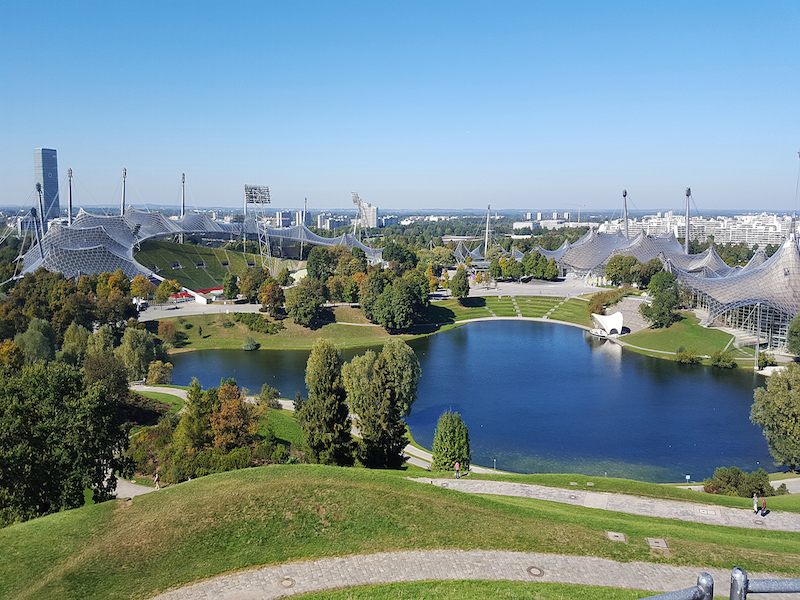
(649, 507)
(420, 565)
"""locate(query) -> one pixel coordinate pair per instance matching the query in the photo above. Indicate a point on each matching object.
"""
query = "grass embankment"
(284, 425)
(269, 515)
(573, 311)
(175, 402)
(686, 333)
(476, 590)
(214, 263)
(220, 331)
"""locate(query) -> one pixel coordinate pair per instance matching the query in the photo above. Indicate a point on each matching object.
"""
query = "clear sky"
(411, 104)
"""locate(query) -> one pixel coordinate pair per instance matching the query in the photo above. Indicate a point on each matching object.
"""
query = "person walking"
(457, 466)
(755, 504)
(156, 480)
(763, 506)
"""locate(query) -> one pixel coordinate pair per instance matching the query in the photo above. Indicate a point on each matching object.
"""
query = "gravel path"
(649, 507)
(419, 565)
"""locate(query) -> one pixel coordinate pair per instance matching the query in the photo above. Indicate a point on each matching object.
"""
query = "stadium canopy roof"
(94, 243)
(774, 282)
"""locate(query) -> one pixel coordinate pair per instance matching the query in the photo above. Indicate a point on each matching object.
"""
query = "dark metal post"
(738, 584)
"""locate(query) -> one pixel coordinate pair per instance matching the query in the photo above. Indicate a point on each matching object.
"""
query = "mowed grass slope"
(686, 333)
(269, 515)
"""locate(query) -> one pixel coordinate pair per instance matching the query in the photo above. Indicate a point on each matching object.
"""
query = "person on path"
(457, 466)
(763, 506)
(755, 504)
(156, 481)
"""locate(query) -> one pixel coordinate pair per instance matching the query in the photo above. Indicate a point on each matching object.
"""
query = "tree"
(48, 458)
(272, 297)
(166, 330)
(76, 340)
(451, 443)
(459, 286)
(142, 287)
(380, 390)
(495, 270)
(159, 373)
(324, 416)
(249, 344)
(165, 289)
(37, 342)
(234, 424)
(136, 351)
(661, 313)
(100, 342)
(284, 277)
(230, 288)
(619, 268)
(304, 302)
(793, 336)
(11, 356)
(193, 430)
(252, 282)
(269, 396)
(321, 264)
(776, 410)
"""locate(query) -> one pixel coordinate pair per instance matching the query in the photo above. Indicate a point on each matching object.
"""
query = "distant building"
(45, 167)
(328, 221)
(389, 220)
(302, 218)
(283, 218)
(369, 215)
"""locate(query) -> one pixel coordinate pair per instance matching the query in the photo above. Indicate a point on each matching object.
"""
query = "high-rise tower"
(45, 166)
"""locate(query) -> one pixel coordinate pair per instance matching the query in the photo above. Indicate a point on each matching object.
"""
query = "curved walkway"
(419, 565)
(710, 514)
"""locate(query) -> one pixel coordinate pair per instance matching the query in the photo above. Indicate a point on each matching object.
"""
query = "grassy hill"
(269, 515)
(214, 263)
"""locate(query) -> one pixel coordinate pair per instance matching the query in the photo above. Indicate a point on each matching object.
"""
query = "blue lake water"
(540, 397)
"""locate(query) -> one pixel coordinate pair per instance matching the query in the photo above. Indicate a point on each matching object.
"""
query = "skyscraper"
(45, 166)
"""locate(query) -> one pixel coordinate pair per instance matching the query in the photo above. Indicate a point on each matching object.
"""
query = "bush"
(257, 323)
(249, 344)
(281, 455)
(723, 360)
(269, 396)
(733, 482)
(687, 357)
(166, 331)
(159, 373)
(601, 300)
(766, 359)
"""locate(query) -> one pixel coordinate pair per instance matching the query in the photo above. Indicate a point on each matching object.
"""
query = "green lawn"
(209, 332)
(175, 402)
(477, 590)
(270, 515)
(536, 306)
(573, 311)
(687, 333)
(452, 310)
(284, 426)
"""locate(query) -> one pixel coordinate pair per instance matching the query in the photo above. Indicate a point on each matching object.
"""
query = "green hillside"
(270, 515)
(200, 267)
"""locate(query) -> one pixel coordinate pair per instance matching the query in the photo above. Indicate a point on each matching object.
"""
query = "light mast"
(183, 202)
(122, 206)
(486, 239)
(41, 207)
(625, 211)
(688, 196)
(69, 209)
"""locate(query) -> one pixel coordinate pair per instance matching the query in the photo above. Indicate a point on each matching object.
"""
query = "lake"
(541, 397)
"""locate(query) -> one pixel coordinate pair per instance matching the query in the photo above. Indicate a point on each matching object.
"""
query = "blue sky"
(411, 104)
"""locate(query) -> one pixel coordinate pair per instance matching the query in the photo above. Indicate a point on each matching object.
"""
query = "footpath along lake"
(541, 397)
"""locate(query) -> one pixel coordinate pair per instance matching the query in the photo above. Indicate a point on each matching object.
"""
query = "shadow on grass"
(473, 302)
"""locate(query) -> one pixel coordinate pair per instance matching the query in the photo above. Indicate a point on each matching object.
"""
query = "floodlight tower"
(41, 208)
(122, 206)
(183, 202)
(69, 207)
(258, 196)
(356, 202)
(625, 210)
(688, 197)
(486, 237)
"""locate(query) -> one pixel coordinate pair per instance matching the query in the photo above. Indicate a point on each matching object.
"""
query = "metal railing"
(740, 587)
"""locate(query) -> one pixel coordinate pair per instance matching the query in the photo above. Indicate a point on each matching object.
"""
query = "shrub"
(269, 396)
(257, 323)
(601, 300)
(766, 359)
(687, 357)
(159, 373)
(733, 482)
(281, 455)
(249, 344)
(723, 360)
(166, 331)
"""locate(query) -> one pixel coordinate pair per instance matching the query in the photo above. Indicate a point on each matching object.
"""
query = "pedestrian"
(763, 506)
(156, 481)
(755, 504)
(457, 466)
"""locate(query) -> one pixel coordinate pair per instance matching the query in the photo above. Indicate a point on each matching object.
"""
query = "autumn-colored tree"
(159, 373)
(271, 297)
(11, 356)
(234, 424)
(142, 287)
(166, 331)
(165, 289)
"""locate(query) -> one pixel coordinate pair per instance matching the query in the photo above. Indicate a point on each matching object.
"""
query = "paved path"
(419, 565)
(710, 514)
(139, 387)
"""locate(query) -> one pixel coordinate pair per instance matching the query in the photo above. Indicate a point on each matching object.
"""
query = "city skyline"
(452, 105)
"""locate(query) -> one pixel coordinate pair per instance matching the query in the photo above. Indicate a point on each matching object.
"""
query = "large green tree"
(793, 336)
(58, 436)
(321, 263)
(380, 390)
(324, 417)
(666, 299)
(451, 443)
(459, 285)
(776, 410)
(304, 301)
(136, 351)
